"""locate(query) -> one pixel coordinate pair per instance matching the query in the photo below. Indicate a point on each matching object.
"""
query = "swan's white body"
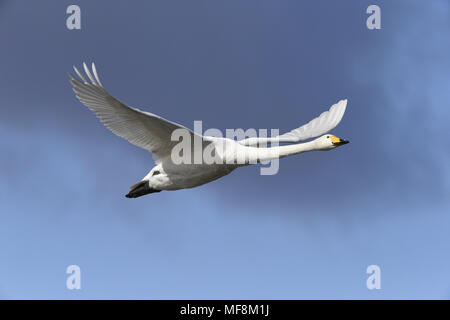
(153, 133)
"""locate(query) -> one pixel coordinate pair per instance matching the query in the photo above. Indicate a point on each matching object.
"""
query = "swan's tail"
(140, 189)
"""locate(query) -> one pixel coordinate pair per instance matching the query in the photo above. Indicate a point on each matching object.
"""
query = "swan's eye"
(155, 173)
(328, 137)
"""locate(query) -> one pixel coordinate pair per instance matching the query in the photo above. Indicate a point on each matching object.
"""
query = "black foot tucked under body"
(140, 189)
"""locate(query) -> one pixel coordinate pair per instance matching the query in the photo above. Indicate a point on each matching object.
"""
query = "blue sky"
(308, 232)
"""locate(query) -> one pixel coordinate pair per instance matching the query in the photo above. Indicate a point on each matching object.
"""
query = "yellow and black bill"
(338, 141)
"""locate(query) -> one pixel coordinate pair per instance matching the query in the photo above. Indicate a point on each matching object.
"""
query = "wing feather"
(143, 129)
(324, 123)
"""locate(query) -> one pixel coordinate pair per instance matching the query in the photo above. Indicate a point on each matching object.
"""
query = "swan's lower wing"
(324, 123)
(143, 129)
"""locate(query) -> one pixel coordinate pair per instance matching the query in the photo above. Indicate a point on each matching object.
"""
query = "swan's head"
(328, 142)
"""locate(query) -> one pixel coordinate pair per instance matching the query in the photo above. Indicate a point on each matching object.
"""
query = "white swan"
(153, 133)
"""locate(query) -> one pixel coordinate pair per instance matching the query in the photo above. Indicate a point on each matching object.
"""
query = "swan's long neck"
(253, 154)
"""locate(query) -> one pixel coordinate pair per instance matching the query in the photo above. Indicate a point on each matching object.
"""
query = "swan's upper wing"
(324, 123)
(143, 129)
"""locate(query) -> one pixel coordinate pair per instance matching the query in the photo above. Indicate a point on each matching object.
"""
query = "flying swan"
(153, 133)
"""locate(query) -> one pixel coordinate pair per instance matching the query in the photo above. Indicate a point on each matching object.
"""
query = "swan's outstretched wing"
(324, 123)
(143, 129)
